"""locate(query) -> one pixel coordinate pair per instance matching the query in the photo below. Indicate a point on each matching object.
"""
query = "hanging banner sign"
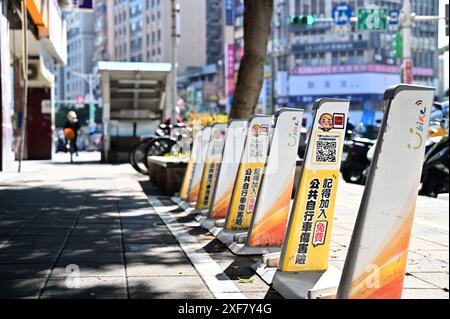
(190, 167)
(307, 241)
(249, 175)
(211, 166)
(200, 158)
(232, 153)
(377, 256)
(272, 207)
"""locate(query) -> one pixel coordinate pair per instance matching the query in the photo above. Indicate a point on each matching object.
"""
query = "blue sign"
(394, 14)
(229, 12)
(342, 13)
(83, 4)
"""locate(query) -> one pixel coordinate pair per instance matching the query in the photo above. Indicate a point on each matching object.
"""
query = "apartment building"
(142, 31)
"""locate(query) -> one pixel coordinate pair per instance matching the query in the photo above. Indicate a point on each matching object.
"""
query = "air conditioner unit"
(38, 75)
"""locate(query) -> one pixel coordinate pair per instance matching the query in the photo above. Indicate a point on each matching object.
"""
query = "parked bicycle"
(168, 139)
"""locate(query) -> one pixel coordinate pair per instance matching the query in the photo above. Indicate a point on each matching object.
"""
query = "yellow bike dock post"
(248, 178)
(268, 222)
(232, 152)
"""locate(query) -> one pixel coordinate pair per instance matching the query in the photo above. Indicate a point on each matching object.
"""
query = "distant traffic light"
(396, 45)
(302, 20)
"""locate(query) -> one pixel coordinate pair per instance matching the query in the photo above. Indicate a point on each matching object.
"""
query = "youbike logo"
(420, 126)
(293, 136)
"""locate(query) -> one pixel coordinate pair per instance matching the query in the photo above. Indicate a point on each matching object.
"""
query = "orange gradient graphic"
(271, 230)
(391, 261)
(221, 207)
(193, 193)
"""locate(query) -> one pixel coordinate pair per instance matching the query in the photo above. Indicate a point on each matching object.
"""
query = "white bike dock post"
(181, 200)
(248, 178)
(377, 255)
(232, 152)
(194, 186)
(268, 224)
(303, 262)
(211, 168)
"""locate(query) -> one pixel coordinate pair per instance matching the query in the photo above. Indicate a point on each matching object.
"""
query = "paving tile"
(166, 284)
(87, 255)
(425, 294)
(413, 282)
(89, 287)
(24, 271)
(26, 257)
(165, 267)
(438, 279)
(85, 269)
(171, 295)
(20, 288)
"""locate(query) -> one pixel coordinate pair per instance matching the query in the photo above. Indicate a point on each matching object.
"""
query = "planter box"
(167, 173)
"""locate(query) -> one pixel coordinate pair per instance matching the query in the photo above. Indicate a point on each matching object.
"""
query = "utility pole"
(25, 80)
(173, 96)
(407, 19)
(90, 78)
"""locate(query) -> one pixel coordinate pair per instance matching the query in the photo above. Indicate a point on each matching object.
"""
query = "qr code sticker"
(326, 151)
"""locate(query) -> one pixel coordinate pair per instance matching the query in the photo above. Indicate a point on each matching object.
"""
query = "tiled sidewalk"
(86, 231)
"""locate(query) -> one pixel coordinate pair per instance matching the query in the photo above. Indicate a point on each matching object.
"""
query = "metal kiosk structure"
(135, 100)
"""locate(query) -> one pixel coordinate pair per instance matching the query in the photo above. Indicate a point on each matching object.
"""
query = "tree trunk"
(257, 23)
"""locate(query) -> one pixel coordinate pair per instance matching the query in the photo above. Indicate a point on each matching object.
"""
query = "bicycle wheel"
(136, 157)
(159, 147)
(71, 149)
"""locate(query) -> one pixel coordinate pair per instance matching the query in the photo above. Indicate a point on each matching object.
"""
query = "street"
(87, 230)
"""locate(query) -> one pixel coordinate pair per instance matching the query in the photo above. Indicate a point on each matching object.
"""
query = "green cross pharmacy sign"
(372, 19)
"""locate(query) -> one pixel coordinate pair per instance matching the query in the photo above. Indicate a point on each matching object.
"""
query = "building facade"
(325, 60)
(142, 32)
(80, 56)
(46, 48)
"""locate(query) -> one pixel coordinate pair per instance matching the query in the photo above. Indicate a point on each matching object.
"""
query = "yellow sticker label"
(187, 178)
(210, 172)
(307, 247)
(244, 196)
(307, 242)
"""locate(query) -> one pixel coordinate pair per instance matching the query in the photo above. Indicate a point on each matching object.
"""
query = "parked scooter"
(354, 156)
(435, 170)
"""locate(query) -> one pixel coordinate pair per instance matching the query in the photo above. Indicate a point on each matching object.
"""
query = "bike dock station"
(247, 205)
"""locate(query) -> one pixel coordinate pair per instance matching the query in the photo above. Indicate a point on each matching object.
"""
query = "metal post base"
(226, 236)
(180, 202)
(243, 249)
(307, 284)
